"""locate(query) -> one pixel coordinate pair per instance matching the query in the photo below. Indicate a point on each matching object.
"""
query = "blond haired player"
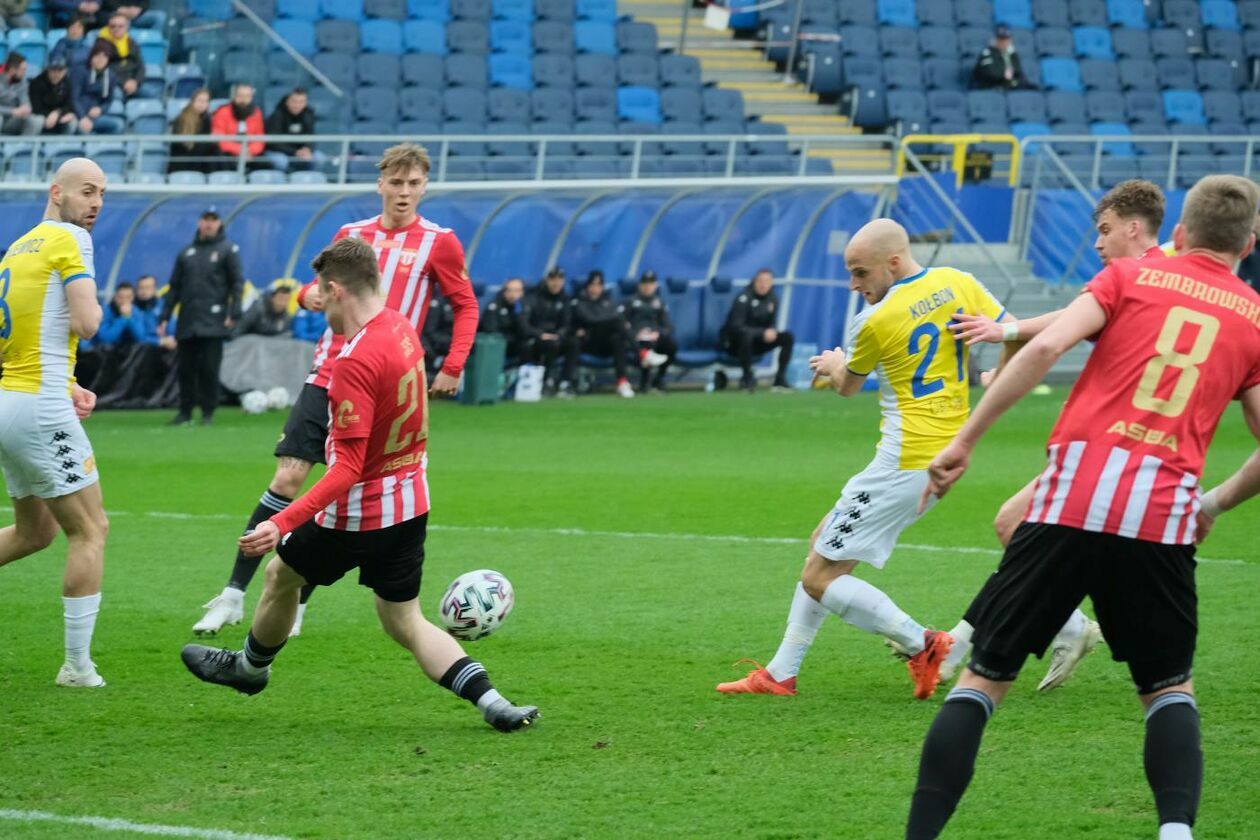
(47, 303)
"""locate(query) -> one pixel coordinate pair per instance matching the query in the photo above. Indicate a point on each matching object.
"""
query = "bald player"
(903, 334)
(47, 303)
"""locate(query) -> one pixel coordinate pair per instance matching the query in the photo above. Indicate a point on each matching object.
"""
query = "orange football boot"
(925, 666)
(759, 681)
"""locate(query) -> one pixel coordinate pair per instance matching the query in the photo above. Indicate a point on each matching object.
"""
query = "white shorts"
(43, 449)
(874, 507)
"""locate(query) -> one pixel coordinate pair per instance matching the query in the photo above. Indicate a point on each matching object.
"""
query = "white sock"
(962, 644)
(484, 701)
(249, 668)
(804, 619)
(301, 613)
(231, 593)
(866, 607)
(1175, 831)
(1072, 628)
(80, 618)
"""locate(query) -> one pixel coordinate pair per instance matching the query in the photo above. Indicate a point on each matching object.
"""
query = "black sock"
(1173, 758)
(307, 589)
(466, 678)
(949, 757)
(258, 654)
(243, 569)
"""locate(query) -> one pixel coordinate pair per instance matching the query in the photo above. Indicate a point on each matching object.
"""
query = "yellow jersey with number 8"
(922, 369)
(36, 343)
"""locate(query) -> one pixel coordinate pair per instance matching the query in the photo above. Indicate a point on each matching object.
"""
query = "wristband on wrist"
(1010, 331)
(1209, 505)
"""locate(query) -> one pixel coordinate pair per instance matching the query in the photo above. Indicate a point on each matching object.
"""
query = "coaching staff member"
(206, 285)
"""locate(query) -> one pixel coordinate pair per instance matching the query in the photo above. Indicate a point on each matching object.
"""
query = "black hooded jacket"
(207, 284)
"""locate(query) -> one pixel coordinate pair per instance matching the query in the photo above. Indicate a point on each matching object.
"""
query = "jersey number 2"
(918, 387)
(1186, 364)
(412, 395)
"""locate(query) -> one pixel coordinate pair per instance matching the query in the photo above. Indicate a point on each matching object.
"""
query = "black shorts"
(1143, 594)
(306, 430)
(389, 560)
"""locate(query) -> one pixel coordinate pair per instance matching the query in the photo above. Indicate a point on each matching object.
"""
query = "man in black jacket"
(206, 285)
(598, 328)
(651, 331)
(51, 98)
(435, 338)
(293, 116)
(269, 316)
(750, 330)
(547, 327)
(998, 65)
(508, 315)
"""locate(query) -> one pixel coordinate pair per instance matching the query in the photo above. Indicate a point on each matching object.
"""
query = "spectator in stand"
(206, 284)
(435, 338)
(16, 116)
(651, 332)
(93, 89)
(598, 329)
(309, 326)
(750, 331)
(51, 99)
(125, 58)
(132, 10)
(193, 155)
(64, 11)
(293, 115)
(508, 315)
(147, 301)
(998, 65)
(73, 49)
(240, 117)
(269, 316)
(13, 13)
(547, 328)
(125, 323)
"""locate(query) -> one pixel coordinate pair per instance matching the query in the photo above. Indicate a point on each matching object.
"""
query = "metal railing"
(959, 145)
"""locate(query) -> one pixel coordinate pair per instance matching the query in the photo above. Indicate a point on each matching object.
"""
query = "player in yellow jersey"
(903, 334)
(47, 303)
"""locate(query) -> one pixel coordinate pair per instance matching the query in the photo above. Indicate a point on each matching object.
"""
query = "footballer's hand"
(84, 401)
(987, 377)
(444, 385)
(946, 468)
(976, 329)
(264, 538)
(826, 362)
(313, 300)
(1202, 527)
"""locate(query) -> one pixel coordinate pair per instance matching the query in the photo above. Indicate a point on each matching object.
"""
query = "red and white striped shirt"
(1182, 339)
(377, 434)
(411, 259)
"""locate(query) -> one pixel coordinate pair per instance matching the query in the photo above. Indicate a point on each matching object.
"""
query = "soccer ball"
(254, 402)
(278, 398)
(475, 604)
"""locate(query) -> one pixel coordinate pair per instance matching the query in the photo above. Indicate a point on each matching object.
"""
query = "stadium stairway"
(730, 64)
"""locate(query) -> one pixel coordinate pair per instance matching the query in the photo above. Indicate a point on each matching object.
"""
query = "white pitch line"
(111, 824)
(625, 535)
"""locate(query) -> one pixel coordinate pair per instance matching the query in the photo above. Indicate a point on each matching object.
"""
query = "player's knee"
(290, 477)
(819, 574)
(37, 537)
(281, 578)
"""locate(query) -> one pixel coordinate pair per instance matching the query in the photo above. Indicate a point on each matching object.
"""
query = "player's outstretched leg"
(443, 661)
(779, 677)
(82, 516)
(249, 670)
(1173, 758)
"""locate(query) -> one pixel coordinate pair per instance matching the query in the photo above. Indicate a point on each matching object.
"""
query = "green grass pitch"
(609, 517)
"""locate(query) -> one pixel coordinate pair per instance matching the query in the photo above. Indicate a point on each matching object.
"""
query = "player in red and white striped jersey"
(1113, 516)
(413, 255)
(369, 510)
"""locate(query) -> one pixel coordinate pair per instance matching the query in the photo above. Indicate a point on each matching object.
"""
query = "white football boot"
(1066, 655)
(223, 609)
(70, 678)
(624, 390)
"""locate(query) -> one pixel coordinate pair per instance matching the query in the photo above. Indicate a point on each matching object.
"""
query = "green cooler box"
(484, 370)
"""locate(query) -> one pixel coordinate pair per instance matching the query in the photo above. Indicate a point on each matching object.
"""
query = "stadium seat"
(239, 66)
(556, 10)
(1143, 106)
(562, 148)
(1184, 106)
(635, 69)
(466, 105)
(599, 10)
(381, 36)
(596, 104)
(300, 34)
(903, 74)
(1222, 106)
(1228, 129)
(416, 103)
(595, 70)
(1118, 148)
(468, 36)
(1088, 12)
(395, 10)
(862, 73)
(971, 42)
(1065, 107)
(379, 69)
(298, 10)
(338, 67)
(824, 68)
(1173, 43)
(1013, 13)
(1050, 13)
(938, 42)
(152, 45)
(508, 148)
(507, 104)
(1219, 14)
(986, 106)
(420, 70)
(553, 37)
(859, 40)
(819, 13)
(1131, 43)
(1136, 74)
(224, 179)
(522, 10)
(687, 148)
(466, 148)
(424, 36)
(1029, 129)
(430, 10)
(1097, 74)
(1054, 41)
(1249, 13)
(337, 36)
(723, 105)
(1251, 43)
(1061, 74)
(511, 36)
(1182, 14)
(896, 13)
(511, 70)
(1225, 44)
(947, 106)
(1092, 42)
(1175, 73)
(898, 41)
(1027, 106)
(267, 176)
(590, 36)
(977, 13)
(373, 103)
(942, 74)
(467, 71)
(909, 109)
(1214, 74)
(554, 71)
(1128, 14)
(1250, 105)
(635, 37)
(218, 10)
(341, 9)
(186, 178)
(478, 10)
(863, 11)
(595, 147)
(680, 71)
(554, 105)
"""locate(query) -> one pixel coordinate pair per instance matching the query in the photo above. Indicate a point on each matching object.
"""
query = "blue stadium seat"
(558, 10)
(420, 70)
(1088, 12)
(511, 36)
(552, 36)
(152, 45)
(903, 74)
(638, 70)
(209, 9)
(341, 9)
(1131, 43)
(431, 10)
(1027, 106)
(974, 13)
(379, 69)
(299, 33)
(1143, 106)
(863, 11)
(1225, 44)
(1070, 149)
(986, 106)
(601, 10)
(339, 67)
(373, 103)
(511, 70)
(298, 10)
(931, 13)
(1174, 43)
(971, 42)
(466, 148)
(680, 71)
(1029, 129)
(859, 40)
(468, 36)
(1097, 74)
(1250, 105)
(909, 109)
(551, 105)
(267, 176)
(1130, 14)
(947, 105)
(1175, 73)
(466, 105)
(1120, 148)
(595, 70)
(1228, 129)
(1054, 41)
(687, 148)
(1092, 42)
(249, 66)
(425, 36)
(1251, 43)
(1137, 74)
(824, 68)
(1249, 13)
(1050, 13)
(592, 36)
(467, 71)
(862, 73)
(522, 10)
(1219, 14)
(942, 74)
(337, 36)
(865, 102)
(1222, 106)
(635, 37)
(1065, 107)
(186, 177)
(478, 10)
(938, 42)
(554, 71)
(681, 104)
(1182, 14)
(1184, 106)
(395, 10)
(381, 36)
(595, 147)
(596, 104)
(820, 13)
(896, 13)
(1013, 13)
(723, 105)
(1214, 74)
(556, 147)
(416, 103)
(898, 41)
(1061, 74)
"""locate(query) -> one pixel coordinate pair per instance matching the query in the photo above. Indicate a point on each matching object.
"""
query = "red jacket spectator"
(240, 116)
